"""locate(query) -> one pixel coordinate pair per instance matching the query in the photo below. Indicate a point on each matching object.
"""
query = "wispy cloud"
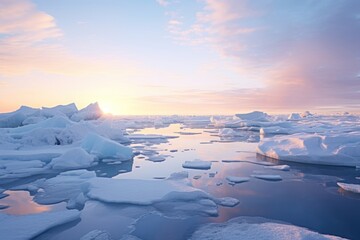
(307, 53)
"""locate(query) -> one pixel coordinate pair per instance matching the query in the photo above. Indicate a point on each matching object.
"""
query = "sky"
(181, 56)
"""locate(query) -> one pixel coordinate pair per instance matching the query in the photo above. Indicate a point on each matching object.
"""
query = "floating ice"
(67, 186)
(29, 226)
(331, 149)
(268, 177)
(255, 228)
(197, 164)
(237, 179)
(105, 148)
(279, 167)
(355, 188)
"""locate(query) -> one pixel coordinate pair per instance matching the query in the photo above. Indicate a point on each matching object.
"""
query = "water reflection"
(21, 203)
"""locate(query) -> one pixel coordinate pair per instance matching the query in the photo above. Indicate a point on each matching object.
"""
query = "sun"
(107, 108)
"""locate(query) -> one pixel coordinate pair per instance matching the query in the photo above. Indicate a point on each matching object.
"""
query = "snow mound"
(105, 148)
(355, 188)
(197, 164)
(91, 112)
(73, 159)
(342, 149)
(256, 228)
(29, 226)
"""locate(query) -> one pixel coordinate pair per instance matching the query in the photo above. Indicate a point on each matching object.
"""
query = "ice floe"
(29, 226)
(197, 164)
(355, 188)
(331, 149)
(234, 179)
(267, 177)
(255, 228)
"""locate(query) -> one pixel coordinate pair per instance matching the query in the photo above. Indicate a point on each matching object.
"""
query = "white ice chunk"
(279, 167)
(105, 148)
(141, 192)
(91, 112)
(341, 149)
(73, 159)
(237, 179)
(197, 164)
(228, 202)
(268, 177)
(355, 188)
(29, 226)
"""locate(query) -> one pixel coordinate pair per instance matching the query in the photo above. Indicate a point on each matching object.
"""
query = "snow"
(246, 228)
(105, 148)
(29, 226)
(234, 179)
(268, 177)
(197, 164)
(355, 188)
(341, 149)
(73, 159)
(91, 112)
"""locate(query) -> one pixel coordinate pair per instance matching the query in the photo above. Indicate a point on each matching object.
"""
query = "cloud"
(307, 53)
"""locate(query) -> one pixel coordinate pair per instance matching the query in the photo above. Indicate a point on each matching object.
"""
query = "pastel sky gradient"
(181, 56)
